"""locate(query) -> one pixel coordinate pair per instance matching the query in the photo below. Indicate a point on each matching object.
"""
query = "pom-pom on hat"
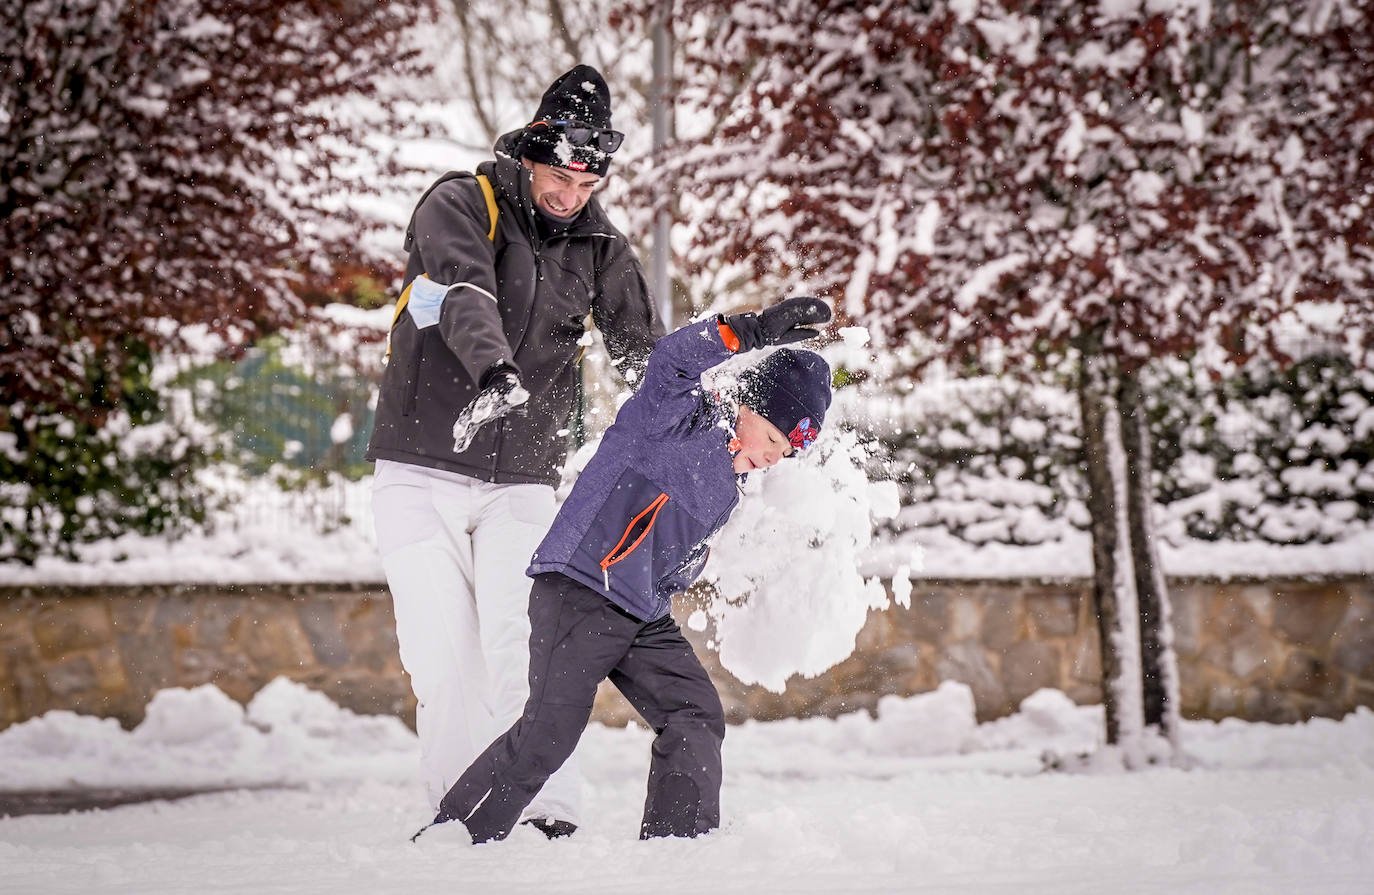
(580, 95)
(791, 389)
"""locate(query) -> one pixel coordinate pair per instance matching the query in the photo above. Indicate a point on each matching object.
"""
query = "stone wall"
(1275, 651)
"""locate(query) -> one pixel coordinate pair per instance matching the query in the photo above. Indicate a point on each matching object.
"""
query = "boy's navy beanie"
(791, 389)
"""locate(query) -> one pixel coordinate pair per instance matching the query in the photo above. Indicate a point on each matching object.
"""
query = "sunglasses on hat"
(579, 133)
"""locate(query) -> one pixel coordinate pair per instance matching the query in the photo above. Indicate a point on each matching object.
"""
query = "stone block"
(1307, 674)
(1308, 614)
(148, 660)
(14, 622)
(1260, 599)
(929, 614)
(71, 677)
(1322, 708)
(1230, 621)
(1003, 623)
(883, 670)
(836, 704)
(1028, 667)
(369, 630)
(924, 678)
(1264, 704)
(1053, 614)
(1195, 692)
(1186, 615)
(214, 621)
(1087, 656)
(321, 622)
(877, 634)
(64, 627)
(968, 662)
(1253, 654)
(965, 616)
(9, 690)
(176, 610)
(1223, 701)
(1228, 614)
(132, 614)
(27, 685)
(366, 694)
(109, 670)
(1352, 647)
(1083, 693)
(273, 640)
(232, 672)
(1216, 654)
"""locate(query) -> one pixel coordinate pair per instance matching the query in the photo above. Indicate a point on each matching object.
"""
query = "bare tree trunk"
(1113, 573)
(1159, 665)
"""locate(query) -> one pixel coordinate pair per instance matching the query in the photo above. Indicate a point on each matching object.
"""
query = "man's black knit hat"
(790, 389)
(579, 95)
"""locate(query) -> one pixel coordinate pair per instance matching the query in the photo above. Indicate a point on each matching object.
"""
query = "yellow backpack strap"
(400, 306)
(487, 193)
(490, 196)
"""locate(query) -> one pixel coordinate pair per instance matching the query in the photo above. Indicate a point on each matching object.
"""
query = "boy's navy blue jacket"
(635, 526)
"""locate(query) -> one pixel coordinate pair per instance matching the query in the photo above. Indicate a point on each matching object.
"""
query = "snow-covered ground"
(919, 800)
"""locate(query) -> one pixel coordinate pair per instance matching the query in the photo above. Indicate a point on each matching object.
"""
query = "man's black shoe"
(554, 829)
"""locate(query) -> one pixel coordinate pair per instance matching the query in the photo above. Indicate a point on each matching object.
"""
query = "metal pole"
(661, 103)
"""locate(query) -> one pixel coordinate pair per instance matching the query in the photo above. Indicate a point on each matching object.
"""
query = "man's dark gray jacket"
(515, 298)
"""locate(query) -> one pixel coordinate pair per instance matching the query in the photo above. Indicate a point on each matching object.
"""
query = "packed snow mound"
(200, 738)
(289, 735)
(935, 723)
(201, 716)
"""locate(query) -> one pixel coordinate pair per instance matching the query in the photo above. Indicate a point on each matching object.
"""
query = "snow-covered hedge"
(1285, 456)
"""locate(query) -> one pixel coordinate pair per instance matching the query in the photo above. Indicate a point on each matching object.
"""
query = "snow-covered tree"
(1109, 182)
(166, 167)
(502, 56)
(173, 162)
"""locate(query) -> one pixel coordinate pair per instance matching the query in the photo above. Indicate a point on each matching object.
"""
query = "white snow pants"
(455, 550)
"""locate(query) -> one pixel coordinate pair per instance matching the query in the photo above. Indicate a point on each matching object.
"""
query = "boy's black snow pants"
(577, 638)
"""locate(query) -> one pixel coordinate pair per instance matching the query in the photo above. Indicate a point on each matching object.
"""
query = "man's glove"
(790, 320)
(500, 392)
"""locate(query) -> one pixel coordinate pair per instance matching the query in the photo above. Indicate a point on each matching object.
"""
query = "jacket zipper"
(651, 511)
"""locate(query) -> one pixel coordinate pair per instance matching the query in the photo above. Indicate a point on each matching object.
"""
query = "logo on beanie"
(576, 165)
(804, 434)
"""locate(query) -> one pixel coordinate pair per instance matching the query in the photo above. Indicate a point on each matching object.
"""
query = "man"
(497, 287)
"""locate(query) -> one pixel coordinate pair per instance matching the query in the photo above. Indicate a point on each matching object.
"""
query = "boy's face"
(761, 444)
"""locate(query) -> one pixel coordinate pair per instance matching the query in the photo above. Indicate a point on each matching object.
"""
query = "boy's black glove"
(790, 320)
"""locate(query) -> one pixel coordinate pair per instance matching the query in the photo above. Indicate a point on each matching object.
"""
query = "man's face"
(761, 444)
(560, 192)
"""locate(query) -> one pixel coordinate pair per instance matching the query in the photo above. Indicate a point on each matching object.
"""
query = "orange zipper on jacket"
(651, 511)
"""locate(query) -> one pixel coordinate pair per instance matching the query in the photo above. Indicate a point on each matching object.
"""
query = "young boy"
(631, 534)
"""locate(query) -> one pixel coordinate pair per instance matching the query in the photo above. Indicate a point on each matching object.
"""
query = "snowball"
(790, 599)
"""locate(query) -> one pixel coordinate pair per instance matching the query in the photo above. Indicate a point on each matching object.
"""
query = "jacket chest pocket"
(564, 287)
(639, 535)
(542, 303)
(635, 533)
